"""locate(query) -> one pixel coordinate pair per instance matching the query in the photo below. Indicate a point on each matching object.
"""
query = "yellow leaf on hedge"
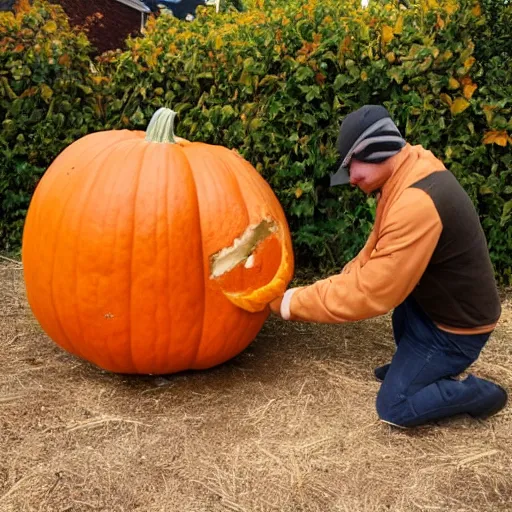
(399, 25)
(489, 112)
(387, 34)
(218, 42)
(453, 83)
(447, 55)
(50, 27)
(390, 57)
(364, 76)
(65, 60)
(46, 92)
(499, 138)
(445, 98)
(459, 105)
(298, 192)
(98, 80)
(477, 10)
(22, 6)
(468, 90)
(469, 62)
(451, 6)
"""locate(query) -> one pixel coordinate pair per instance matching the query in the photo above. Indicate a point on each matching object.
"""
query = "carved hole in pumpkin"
(251, 262)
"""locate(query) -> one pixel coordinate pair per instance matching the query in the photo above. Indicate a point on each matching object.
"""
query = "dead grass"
(287, 426)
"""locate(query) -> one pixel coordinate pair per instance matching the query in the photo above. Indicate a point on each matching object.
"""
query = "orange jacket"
(458, 290)
(397, 252)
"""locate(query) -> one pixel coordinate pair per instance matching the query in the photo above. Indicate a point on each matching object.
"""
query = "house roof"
(135, 4)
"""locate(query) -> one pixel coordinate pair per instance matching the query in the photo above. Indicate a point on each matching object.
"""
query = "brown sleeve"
(407, 239)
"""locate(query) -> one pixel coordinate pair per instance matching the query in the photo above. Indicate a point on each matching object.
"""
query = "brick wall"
(109, 32)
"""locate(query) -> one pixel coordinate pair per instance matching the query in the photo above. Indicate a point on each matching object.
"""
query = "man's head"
(367, 139)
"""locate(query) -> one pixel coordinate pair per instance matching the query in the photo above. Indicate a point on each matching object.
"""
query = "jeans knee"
(388, 410)
(382, 404)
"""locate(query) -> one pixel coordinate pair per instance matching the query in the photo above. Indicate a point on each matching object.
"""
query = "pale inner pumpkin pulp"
(242, 249)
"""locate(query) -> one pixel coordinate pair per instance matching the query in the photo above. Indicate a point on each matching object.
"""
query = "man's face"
(368, 177)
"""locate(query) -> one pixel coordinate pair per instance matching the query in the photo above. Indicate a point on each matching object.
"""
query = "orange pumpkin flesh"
(120, 244)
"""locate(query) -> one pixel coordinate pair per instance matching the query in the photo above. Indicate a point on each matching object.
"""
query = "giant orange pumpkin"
(146, 253)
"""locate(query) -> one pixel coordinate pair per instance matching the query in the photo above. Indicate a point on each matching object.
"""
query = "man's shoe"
(381, 372)
(494, 404)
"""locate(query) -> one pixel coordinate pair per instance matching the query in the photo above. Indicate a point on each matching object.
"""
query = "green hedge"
(46, 102)
(275, 82)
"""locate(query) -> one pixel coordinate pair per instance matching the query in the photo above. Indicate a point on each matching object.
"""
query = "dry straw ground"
(287, 426)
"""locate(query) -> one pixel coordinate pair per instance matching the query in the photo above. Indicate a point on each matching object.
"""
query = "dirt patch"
(289, 425)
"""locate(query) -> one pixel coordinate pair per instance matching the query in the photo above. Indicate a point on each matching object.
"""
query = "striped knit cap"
(369, 135)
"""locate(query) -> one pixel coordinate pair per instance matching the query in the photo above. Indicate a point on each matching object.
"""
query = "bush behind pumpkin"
(47, 101)
(276, 80)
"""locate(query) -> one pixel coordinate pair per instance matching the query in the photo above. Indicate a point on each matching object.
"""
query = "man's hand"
(275, 305)
(281, 305)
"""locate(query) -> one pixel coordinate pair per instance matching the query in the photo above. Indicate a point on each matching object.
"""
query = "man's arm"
(407, 240)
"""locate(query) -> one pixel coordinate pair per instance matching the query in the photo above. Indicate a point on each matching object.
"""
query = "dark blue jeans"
(419, 386)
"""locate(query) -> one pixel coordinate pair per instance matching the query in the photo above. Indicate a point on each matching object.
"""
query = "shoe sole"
(394, 424)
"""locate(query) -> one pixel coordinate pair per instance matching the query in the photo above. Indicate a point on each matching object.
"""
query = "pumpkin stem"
(161, 126)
